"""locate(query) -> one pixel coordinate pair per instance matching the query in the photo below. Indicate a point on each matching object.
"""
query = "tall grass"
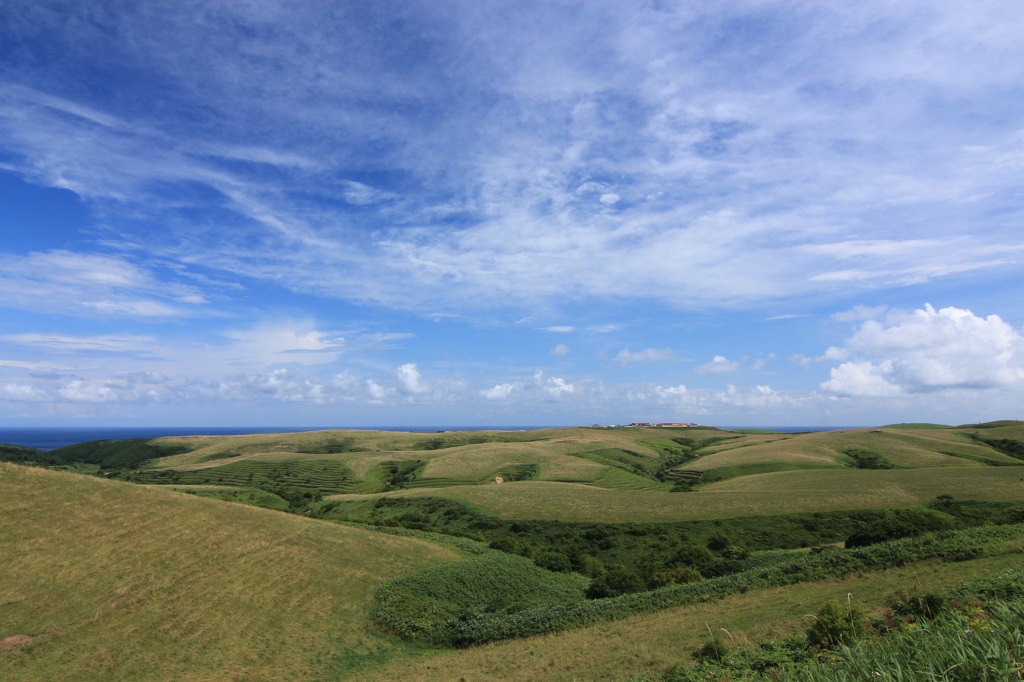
(956, 647)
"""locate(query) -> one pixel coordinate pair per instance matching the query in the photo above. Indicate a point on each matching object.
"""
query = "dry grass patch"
(123, 582)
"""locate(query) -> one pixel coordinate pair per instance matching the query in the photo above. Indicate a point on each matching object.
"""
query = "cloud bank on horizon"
(510, 213)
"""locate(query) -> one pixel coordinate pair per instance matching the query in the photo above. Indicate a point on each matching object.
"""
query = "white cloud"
(88, 392)
(105, 343)
(756, 219)
(672, 391)
(928, 350)
(604, 328)
(389, 336)
(92, 285)
(625, 358)
(610, 199)
(560, 349)
(862, 379)
(561, 329)
(860, 312)
(409, 378)
(558, 386)
(499, 392)
(364, 195)
(22, 392)
(592, 186)
(720, 366)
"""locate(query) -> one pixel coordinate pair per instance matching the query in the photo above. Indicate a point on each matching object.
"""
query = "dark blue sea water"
(50, 438)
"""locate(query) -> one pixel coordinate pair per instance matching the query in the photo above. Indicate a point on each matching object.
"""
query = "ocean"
(51, 438)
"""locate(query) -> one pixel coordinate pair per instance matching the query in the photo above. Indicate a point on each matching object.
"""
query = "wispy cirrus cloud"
(755, 166)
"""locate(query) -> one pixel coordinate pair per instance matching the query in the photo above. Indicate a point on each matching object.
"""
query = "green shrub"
(490, 583)
(900, 523)
(554, 561)
(837, 623)
(862, 458)
(480, 627)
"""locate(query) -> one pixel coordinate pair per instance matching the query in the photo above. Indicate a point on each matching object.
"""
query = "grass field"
(122, 582)
(621, 649)
(773, 493)
(140, 582)
(347, 461)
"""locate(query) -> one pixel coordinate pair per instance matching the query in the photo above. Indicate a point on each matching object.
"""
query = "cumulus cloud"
(625, 357)
(705, 400)
(560, 349)
(499, 392)
(720, 366)
(22, 392)
(557, 386)
(862, 379)
(610, 198)
(409, 378)
(928, 350)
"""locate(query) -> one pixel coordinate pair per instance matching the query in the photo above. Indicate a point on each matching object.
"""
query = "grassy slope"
(122, 582)
(906, 448)
(561, 454)
(620, 649)
(776, 493)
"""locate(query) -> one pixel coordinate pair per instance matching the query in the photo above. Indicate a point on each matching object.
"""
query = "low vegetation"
(969, 633)
(467, 629)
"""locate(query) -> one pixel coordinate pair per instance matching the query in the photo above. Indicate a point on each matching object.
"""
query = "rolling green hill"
(120, 582)
(109, 579)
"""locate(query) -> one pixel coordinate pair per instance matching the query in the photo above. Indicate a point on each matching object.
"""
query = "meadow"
(604, 553)
(119, 582)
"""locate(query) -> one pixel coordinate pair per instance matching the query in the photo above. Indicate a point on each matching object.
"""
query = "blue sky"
(488, 213)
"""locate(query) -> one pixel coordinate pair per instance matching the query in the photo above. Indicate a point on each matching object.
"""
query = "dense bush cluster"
(476, 628)
(492, 582)
(622, 558)
(863, 458)
(1007, 446)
